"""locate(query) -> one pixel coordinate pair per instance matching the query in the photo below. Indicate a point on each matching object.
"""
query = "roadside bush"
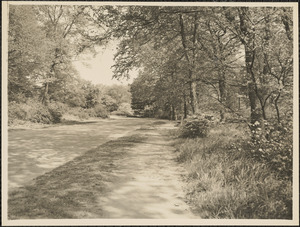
(32, 111)
(100, 111)
(90, 112)
(16, 111)
(81, 113)
(57, 109)
(40, 114)
(78, 112)
(124, 110)
(272, 144)
(194, 127)
(161, 114)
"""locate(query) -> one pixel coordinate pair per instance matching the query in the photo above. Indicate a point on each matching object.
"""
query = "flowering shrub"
(196, 126)
(272, 144)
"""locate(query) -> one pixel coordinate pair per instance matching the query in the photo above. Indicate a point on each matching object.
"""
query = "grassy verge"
(226, 182)
(73, 189)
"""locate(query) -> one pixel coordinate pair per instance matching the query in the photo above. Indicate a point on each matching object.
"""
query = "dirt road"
(151, 181)
(33, 152)
(126, 179)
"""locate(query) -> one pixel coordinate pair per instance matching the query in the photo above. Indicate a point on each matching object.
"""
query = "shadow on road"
(77, 122)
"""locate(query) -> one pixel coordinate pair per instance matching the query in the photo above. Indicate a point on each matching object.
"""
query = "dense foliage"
(194, 59)
(274, 146)
(43, 85)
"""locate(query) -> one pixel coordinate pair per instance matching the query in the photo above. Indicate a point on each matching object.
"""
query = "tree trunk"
(193, 60)
(255, 111)
(172, 112)
(263, 110)
(254, 114)
(190, 60)
(185, 107)
(285, 21)
(267, 36)
(194, 98)
(45, 99)
(222, 90)
(249, 45)
(277, 108)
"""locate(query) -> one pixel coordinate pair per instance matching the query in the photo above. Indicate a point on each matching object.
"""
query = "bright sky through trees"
(97, 69)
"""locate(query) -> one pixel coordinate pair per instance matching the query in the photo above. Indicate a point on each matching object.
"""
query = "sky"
(97, 69)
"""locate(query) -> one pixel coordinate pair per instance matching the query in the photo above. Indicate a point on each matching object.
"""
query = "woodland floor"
(112, 168)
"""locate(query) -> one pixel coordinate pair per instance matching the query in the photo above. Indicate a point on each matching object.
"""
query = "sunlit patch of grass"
(224, 182)
(73, 189)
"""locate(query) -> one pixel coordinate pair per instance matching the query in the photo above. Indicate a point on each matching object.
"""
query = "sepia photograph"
(150, 113)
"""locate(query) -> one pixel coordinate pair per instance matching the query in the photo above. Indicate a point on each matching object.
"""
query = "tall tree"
(71, 30)
(258, 29)
(220, 49)
(28, 52)
(160, 26)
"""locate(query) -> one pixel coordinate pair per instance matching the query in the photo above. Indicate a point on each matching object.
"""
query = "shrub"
(100, 111)
(15, 111)
(57, 109)
(90, 112)
(272, 144)
(194, 127)
(124, 110)
(78, 112)
(40, 114)
(97, 111)
(32, 110)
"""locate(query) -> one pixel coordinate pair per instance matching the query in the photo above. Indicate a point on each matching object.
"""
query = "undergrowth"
(55, 112)
(226, 181)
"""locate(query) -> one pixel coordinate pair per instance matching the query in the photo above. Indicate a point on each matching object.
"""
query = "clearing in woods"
(131, 174)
